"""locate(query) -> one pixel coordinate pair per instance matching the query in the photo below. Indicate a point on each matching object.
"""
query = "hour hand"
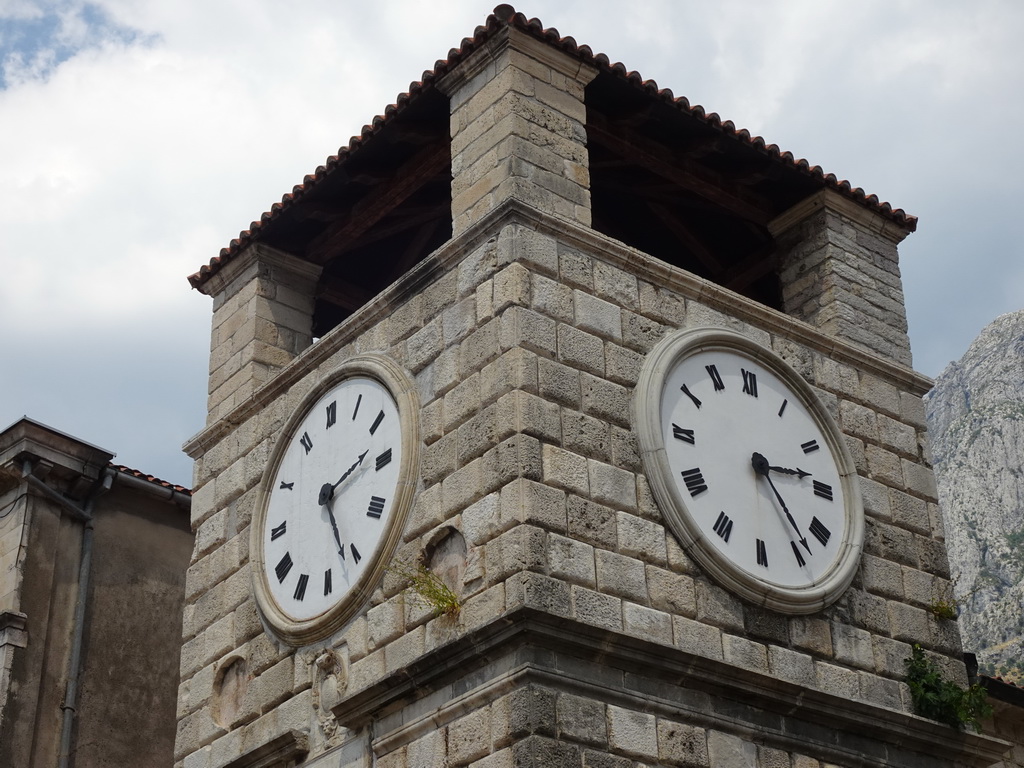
(786, 471)
(327, 489)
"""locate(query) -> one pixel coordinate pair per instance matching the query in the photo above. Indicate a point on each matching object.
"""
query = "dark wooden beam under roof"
(691, 176)
(414, 251)
(751, 268)
(382, 200)
(344, 295)
(690, 241)
(407, 218)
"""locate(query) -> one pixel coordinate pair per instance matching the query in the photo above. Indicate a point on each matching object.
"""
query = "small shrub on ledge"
(428, 587)
(944, 700)
(944, 608)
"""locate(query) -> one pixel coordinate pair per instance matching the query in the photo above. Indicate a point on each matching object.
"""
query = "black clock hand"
(327, 489)
(785, 471)
(761, 467)
(334, 526)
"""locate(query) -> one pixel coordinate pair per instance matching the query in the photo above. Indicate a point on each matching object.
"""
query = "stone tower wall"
(586, 635)
(525, 351)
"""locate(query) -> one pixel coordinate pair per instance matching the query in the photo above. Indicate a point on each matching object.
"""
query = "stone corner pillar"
(262, 318)
(518, 127)
(839, 270)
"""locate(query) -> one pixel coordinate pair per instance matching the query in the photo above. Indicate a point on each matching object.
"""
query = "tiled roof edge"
(1004, 690)
(505, 15)
(149, 478)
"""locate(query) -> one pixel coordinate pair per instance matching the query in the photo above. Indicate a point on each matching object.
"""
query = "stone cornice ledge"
(828, 199)
(608, 249)
(278, 751)
(13, 629)
(530, 646)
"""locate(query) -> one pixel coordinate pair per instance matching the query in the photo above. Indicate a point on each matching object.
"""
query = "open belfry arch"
(443, 348)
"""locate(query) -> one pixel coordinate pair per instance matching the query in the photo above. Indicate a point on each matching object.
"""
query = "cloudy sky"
(137, 137)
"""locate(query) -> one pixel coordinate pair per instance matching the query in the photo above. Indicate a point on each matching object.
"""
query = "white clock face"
(338, 480)
(751, 471)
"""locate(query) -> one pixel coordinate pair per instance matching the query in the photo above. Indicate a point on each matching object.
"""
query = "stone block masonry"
(262, 318)
(587, 638)
(521, 408)
(518, 130)
(840, 272)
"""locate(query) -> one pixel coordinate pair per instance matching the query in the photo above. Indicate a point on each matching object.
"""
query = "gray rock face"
(976, 423)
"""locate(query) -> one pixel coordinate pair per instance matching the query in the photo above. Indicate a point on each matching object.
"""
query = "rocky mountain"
(976, 423)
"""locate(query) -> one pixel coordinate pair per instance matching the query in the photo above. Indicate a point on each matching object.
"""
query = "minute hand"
(334, 527)
(761, 467)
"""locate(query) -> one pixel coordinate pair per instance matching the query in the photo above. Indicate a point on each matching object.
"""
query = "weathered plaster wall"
(1008, 723)
(49, 573)
(124, 713)
(130, 678)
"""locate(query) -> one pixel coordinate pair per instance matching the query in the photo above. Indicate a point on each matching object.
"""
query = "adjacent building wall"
(124, 712)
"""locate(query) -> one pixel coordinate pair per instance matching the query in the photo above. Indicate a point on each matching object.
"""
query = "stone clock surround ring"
(352, 447)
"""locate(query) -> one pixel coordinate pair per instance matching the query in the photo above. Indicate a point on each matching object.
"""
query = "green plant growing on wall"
(944, 700)
(428, 587)
(944, 608)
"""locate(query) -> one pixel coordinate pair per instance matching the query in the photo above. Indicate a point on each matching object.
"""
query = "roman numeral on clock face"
(799, 557)
(376, 507)
(690, 395)
(782, 408)
(300, 588)
(306, 441)
(376, 422)
(762, 554)
(355, 553)
(723, 526)
(749, 382)
(686, 435)
(823, 490)
(332, 414)
(383, 460)
(277, 533)
(810, 446)
(328, 587)
(283, 566)
(356, 409)
(715, 378)
(286, 486)
(821, 533)
(694, 481)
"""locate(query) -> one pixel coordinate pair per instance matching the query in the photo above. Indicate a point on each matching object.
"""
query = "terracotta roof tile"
(505, 15)
(149, 478)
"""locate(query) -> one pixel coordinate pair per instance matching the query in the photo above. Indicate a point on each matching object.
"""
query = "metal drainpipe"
(83, 514)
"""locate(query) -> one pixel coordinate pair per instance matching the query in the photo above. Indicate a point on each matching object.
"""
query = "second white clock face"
(749, 470)
(332, 496)
(755, 471)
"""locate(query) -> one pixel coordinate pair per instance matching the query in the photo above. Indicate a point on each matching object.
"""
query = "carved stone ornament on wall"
(330, 679)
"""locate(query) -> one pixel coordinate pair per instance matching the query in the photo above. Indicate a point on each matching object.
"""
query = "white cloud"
(142, 135)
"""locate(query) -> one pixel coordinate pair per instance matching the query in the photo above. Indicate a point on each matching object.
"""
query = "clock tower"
(634, 384)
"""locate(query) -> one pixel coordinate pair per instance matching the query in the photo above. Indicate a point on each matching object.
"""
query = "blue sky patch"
(32, 47)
